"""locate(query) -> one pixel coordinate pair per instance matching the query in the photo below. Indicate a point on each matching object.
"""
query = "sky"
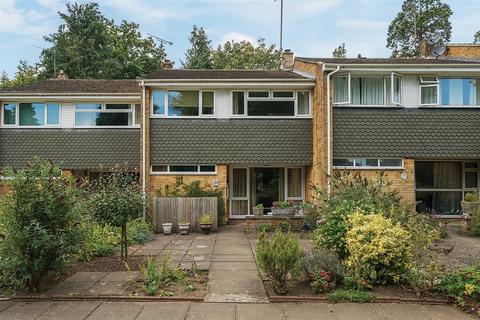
(311, 27)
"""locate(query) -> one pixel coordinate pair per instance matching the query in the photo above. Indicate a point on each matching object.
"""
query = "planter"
(184, 228)
(283, 211)
(206, 228)
(471, 208)
(167, 228)
(257, 211)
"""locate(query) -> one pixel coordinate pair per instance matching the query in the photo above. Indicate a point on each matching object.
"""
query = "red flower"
(324, 273)
(325, 285)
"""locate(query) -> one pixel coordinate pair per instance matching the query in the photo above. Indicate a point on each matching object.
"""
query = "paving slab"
(116, 311)
(355, 311)
(397, 311)
(243, 250)
(70, 288)
(86, 277)
(260, 312)
(5, 304)
(107, 288)
(235, 266)
(164, 311)
(25, 310)
(211, 311)
(68, 310)
(308, 311)
(232, 258)
(120, 276)
(446, 313)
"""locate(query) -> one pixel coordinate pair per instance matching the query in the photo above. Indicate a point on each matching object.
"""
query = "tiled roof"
(409, 61)
(76, 148)
(411, 133)
(224, 74)
(78, 86)
(232, 141)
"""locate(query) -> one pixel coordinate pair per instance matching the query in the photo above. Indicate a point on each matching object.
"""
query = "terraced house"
(264, 136)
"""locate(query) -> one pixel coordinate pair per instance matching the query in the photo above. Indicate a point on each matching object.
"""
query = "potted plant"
(471, 204)
(184, 227)
(205, 222)
(304, 206)
(282, 208)
(167, 228)
(258, 210)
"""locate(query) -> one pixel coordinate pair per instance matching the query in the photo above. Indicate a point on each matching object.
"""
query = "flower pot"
(283, 211)
(257, 211)
(206, 228)
(471, 208)
(167, 228)
(184, 228)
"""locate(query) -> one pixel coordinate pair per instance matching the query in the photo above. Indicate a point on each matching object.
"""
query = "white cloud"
(53, 5)
(237, 37)
(149, 10)
(21, 21)
(311, 8)
(360, 24)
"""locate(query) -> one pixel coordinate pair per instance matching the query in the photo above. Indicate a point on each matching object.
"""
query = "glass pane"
(390, 162)
(367, 91)
(459, 92)
(53, 113)
(32, 114)
(438, 174)
(283, 94)
(271, 108)
(364, 162)
(207, 102)
(117, 106)
(239, 207)
(471, 165)
(90, 119)
(294, 182)
(471, 179)
(88, 106)
(428, 79)
(239, 182)
(238, 102)
(9, 113)
(138, 114)
(343, 162)
(159, 168)
(158, 98)
(428, 95)
(183, 103)
(439, 202)
(207, 168)
(396, 89)
(303, 102)
(340, 89)
(267, 186)
(183, 168)
(258, 94)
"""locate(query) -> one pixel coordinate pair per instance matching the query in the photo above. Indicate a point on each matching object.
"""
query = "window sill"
(368, 106)
(367, 168)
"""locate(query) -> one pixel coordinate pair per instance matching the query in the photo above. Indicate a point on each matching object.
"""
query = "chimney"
(167, 65)
(287, 60)
(424, 48)
(62, 75)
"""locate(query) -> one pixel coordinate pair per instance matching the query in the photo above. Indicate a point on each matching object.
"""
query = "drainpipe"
(330, 130)
(144, 150)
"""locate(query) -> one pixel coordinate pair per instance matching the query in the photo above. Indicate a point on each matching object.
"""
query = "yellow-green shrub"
(379, 250)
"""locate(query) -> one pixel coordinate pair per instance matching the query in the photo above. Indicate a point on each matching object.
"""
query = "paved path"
(93, 310)
(233, 274)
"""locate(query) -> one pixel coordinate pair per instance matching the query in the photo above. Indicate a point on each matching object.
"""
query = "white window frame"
(378, 167)
(17, 115)
(394, 75)
(184, 173)
(104, 110)
(429, 86)
(349, 89)
(309, 114)
(244, 114)
(200, 96)
(200, 105)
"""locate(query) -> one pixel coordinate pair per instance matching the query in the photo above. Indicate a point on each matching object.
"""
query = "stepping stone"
(164, 310)
(70, 288)
(86, 277)
(66, 310)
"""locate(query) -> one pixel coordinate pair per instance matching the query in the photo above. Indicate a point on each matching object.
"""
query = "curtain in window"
(238, 102)
(340, 89)
(447, 175)
(459, 92)
(429, 95)
(239, 182)
(294, 182)
(367, 91)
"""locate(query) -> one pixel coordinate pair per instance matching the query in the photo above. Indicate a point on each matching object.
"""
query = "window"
(31, 114)
(158, 100)
(303, 100)
(138, 114)
(184, 169)
(238, 102)
(396, 89)
(366, 163)
(283, 94)
(367, 91)
(207, 103)
(341, 86)
(459, 92)
(271, 108)
(428, 90)
(53, 114)
(294, 183)
(271, 103)
(183, 103)
(104, 115)
(9, 114)
(258, 94)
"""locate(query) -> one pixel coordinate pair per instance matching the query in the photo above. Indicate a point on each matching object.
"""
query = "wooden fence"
(177, 210)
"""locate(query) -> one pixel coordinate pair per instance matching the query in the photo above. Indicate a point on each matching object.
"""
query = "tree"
(417, 20)
(88, 45)
(115, 199)
(476, 37)
(340, 51)
(24, 75)
(199, 56)
(244, 55)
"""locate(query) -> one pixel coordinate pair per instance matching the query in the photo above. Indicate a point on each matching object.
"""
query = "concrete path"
(233, 274)
(93, 310)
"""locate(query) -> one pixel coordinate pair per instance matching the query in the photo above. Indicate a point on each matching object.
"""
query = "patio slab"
(234, 266)
(67, 310)
(5, 304)
(308, 311)
(116, 311)
(395, 311)
(232, 258)
(352, 311)
(211, 311)
(120, 276)
(25, 310)
(260, 312)
(86, 277)
(165, 310)
(70, 288)
(107, 288)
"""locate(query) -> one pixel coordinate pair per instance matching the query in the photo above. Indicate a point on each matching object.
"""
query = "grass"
(358, 296)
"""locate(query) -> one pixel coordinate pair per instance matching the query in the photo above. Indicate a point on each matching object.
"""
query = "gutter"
(144, 150)
(330, 129)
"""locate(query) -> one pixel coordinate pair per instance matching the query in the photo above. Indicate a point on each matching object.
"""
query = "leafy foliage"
(99, 241)
(319, 260)
(264, 227)
(340, 51)
(472, 197)
(461, 284)
(418, 19)
(278, 256)
(40, 225)
(25, 74)
(322, 282)
(139, 231)
(476, 37)
(245, 55)
(358, 296)
(199, 56)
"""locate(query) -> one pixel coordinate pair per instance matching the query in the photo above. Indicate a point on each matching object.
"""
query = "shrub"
(158, 274)
(350, 193)
(285, 226)
(461, 284)
(320, 260)
(357, 296)
(99, 241)
(139, 232)
(264, 227)
(380, 251)
(40, 224)
(278, 256)
(472, 197)
(322, 282)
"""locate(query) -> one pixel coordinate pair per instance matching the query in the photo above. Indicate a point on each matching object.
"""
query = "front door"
(267, 186)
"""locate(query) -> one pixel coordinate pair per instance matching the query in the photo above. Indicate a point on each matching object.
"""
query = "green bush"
(40, 225)
(472, 197)
(99, 241)
(139, 232)
(264, 227)
(461, 284)
(379, 250)
(358, 296)
(350, 193)
(278, 256)
(319, 260)
(285, 226)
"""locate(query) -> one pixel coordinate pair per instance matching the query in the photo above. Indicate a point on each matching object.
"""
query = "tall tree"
(340, 51)
(199, 56)
(476, 37)
(88, 45)
(244, 55)
(24, 75)
(417, 20)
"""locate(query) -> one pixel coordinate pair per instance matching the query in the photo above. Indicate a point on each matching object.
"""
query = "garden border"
(279, 299)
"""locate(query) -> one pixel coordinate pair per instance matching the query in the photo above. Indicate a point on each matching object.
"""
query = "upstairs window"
(105, 115)
(449, 91)
(271, 103)
(31, 114)
(429, 90)
(183, 103)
